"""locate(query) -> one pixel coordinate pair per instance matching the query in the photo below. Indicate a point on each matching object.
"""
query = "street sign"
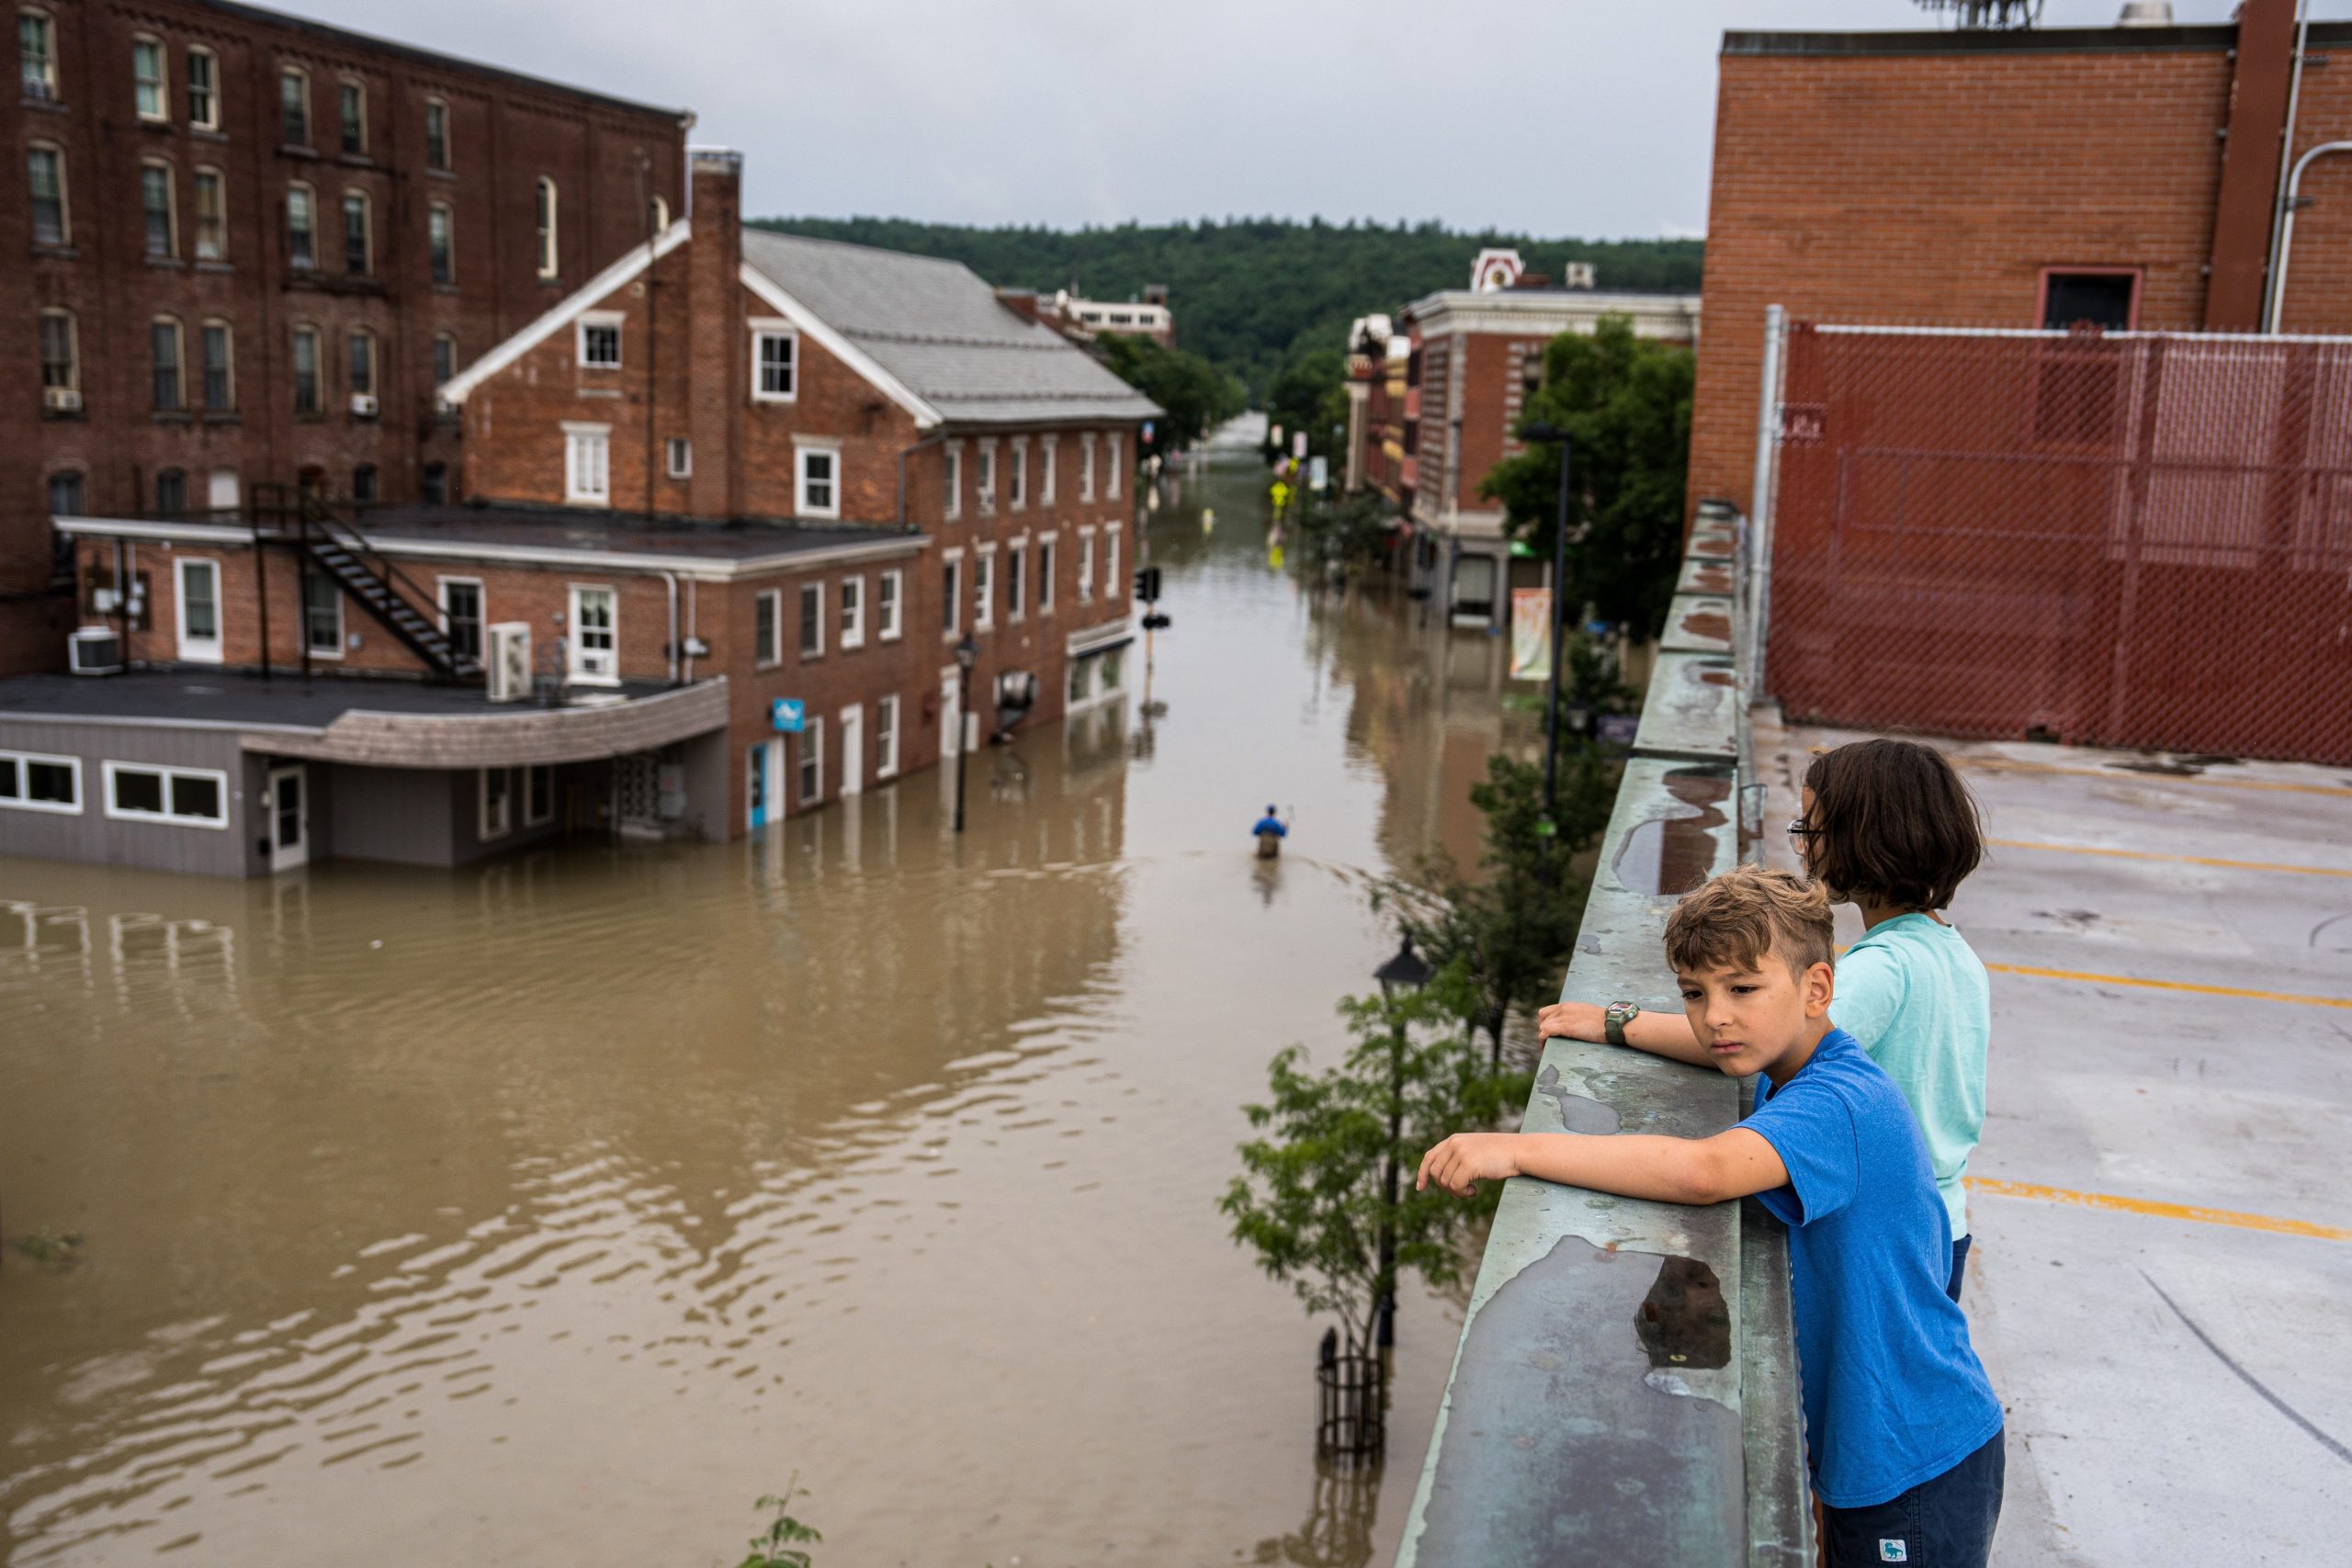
(1298, 443)
(1318, 473)
(788, 714)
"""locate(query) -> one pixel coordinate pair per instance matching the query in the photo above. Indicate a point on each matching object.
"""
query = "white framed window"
(321, 614)
(53, 218)
(294, 106)
(952, 481)
(587, 464)
(1017, 579)
(31, 782)
(441, 242)
(886, 735)
(159, 208)
(359, 234)
(461, 613)
(359, 359)
(1118, 462)
(192, 797)
(445, 359)
(436, 134)
(767, 628)
(600, 340)
(812, 620)
(211, 214)
(819, 479)
(163, 350)
(951, 591)
(306, 370)
(1049, 459)
(985, 490)
(680, 453)
(538, 794)
(1017, 485)
(775, 362)
(596, 636)
(61, 351)
(984, 589)
(1046, 574)
(217, 350)
(154, 99)
(660, 213)
(1086, 566)
(544, 201)
(350, 102)
(812, 762)
(853, 612)
(203, 89)
(1112, 583)
(497, 814)
(889, 605)
(1086, 466)
(301, 227)
(37, 54)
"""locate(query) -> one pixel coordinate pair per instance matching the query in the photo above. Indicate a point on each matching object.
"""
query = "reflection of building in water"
(1339, 1526)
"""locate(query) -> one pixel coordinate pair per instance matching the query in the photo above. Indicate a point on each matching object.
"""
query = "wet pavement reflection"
(552, 1211)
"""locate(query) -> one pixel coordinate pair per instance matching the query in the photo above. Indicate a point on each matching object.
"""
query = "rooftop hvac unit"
(93, 650)
(509, 670)
(62, 400)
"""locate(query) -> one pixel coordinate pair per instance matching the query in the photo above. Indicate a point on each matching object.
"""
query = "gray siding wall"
(402, 815)
(91, 835)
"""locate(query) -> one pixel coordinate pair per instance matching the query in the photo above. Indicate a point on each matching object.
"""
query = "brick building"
(2123, 175)
(250, 246)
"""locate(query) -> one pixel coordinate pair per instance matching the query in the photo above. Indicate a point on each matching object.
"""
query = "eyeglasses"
(1797, 829)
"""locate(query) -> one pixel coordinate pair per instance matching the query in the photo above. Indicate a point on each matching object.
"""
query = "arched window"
(164, 352)
(66, 493)
(360, 353)
(301, 227)
(547, 221)
(294, 106)
(153, 98)
(36, 53)
(359, 234)
(661, 215)
(436, 134)
(171, 492)
(441, 241)
(45, 169)
(350, 102)
(217, 343)
(211, 214)
(61, 361)
(159, 207)
(306, 370)
(203, 89)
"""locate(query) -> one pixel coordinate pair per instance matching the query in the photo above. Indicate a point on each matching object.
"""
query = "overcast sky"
(1587, 117)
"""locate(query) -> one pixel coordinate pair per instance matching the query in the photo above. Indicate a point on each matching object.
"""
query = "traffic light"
(1147, 584)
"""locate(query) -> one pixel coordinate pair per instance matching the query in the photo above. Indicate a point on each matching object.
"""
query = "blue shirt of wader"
(1271, 825)
(1894, 1393)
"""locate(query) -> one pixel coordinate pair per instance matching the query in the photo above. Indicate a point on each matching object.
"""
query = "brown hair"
(1892, 823)
(1746, 913)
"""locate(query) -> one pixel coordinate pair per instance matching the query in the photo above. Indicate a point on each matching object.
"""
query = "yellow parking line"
(2004, 765)
(2169, 986)
(2178, 860)
(2160, 1211)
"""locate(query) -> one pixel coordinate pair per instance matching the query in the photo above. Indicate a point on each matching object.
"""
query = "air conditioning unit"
(93, 650)
(363, 404)
(62, 400)
(509, 666)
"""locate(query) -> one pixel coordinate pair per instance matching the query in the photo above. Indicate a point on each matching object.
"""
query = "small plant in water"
(778, 1546)
(49, 1249)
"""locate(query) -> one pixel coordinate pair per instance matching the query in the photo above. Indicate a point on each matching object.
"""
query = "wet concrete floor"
(552, 1211)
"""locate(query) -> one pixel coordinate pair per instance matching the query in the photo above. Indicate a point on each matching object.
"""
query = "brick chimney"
(1021, 302)
(717, 347)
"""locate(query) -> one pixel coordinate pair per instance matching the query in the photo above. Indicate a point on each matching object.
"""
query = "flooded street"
(552, 1211)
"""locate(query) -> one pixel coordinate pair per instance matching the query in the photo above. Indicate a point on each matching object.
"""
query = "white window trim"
(1047, 547)
(212, 122)
(984, 592)
(1016, 580)
(448, 141)
(1048, 460)
(302, 613)
(550, 243)
(852, 602)
(613, 319)
(1112, 581)
(1118, 447)
(761, 658)
(678, 457)
(954, 626)
(892, 625)
(984, 484)
(105, 801)
(803, 449)
(817, 620)
(812, 757)
(361, 87)
(64, 189)
(366, 230)
(197, 653)
(204, 368)
(1016, 487)
(310, 200)
(447, 213)
(1086, 566)
(20, 761)
(951, 473)
(529, 772)
(299, 74)
(483, 831)
(373, 357)
(885, 759)
(162, 114)
(575, 493)
(171, 207)
(441, 586)
(196, 177)
(1086, 466)
(579, 673)
(49, 64)
(766, 327)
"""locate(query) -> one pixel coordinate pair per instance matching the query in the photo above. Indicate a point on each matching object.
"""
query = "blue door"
(756, 783)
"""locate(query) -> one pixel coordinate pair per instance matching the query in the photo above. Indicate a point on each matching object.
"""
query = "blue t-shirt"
(1894, 1393)
(1271, 825)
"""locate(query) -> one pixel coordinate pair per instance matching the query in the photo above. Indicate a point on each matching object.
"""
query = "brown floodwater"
(549, 1212)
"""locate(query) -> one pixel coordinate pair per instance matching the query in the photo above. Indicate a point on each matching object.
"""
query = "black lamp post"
(1409, 970)
(968, 653)
(1547, 433)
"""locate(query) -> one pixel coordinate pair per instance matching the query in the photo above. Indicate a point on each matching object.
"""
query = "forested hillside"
(1250, 293)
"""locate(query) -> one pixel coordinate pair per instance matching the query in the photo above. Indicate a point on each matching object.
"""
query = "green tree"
(1195, 394)
(779, 1545)
(1626, 403)
(1311, 395)
(1350, 532)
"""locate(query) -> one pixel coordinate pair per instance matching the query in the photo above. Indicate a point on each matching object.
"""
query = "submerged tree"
(779, 1545)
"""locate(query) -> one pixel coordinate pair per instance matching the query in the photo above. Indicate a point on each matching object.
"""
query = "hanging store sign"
(788, 714)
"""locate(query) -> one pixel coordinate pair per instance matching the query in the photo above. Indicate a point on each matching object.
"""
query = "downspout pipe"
(2287, 225)
(670, 581)
(2280, 219)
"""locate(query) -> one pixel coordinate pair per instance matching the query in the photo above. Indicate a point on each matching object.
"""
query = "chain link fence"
(2131, 539)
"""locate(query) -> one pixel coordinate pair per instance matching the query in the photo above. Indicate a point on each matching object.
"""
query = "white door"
(853, 750)
(199, 609)
(289, 818)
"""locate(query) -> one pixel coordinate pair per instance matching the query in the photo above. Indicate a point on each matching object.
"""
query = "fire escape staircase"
(341, 553)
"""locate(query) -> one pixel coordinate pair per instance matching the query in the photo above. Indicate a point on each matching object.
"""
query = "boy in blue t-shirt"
(1903, 1433)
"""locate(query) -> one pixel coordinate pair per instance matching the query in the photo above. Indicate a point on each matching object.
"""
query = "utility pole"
(1554, 434)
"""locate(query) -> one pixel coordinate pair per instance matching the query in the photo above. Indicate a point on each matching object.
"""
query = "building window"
(888, 612)
(444, 359)
(66, 493)
(767, 628)
(820, 481)
(1110, 663)
(1086, 466)
(812, 620)
(587, 464)
(160, 221)
(203, 90)
(1016, 581)
(223, 495)
(2106, 298)
(37, 54)
(211, 216)
(440, 241)
(1086, 566)
(1047, 460)
(1045, 575)
(984, 589)
(437, 135)
(886, 735)
(461, 617)
(294, 107)
(46, 170)
(987, 488)
(353, 98)
(497, 814)
(595, 637)
(301, 228)
(775, 364)
(147, 75)
(363, 482)
(306, 370)
(193, 797)
(198, 581)
(812, 762)
(951, 594)
(546, 219)
(171, 492)
(433, 484)
(659, 212)
(1017, 487)
(358, 239)
(1112, 585)
(539, 796)
(599, 341)
(952, 481)
(30, 781)
(853, 612)
(60, 358)
(362, 351)
(219, 367)
(163, 355)
(680, 453)
(1118, 464)
(321, 614)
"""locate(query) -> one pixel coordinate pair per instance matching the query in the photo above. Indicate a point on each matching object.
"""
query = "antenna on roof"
(1990, 16)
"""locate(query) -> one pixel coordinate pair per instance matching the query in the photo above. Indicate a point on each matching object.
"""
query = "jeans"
(1959, 1267)
(1943, 1523)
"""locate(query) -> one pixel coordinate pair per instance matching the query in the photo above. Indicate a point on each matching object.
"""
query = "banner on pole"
(1531, 634)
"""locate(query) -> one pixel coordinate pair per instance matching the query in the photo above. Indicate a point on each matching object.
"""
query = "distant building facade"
(1147, 316)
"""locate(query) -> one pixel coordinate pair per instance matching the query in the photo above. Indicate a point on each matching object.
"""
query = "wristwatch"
(1615, 1019)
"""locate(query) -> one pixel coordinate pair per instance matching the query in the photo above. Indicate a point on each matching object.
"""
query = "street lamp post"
(1552, 433)
(1409, 970)
(968, 653)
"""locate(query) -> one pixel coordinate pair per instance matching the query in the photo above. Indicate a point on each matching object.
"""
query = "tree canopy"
(1196, 394)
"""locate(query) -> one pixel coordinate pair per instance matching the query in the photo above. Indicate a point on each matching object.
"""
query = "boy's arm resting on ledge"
(1695, 1171)
(1659, 1034)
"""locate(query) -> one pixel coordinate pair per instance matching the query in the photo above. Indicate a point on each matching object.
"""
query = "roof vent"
(2146, 14)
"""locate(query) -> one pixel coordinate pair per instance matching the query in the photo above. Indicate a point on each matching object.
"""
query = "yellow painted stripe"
(2004, 765)
(2170, 986)
(2202, 1216)
(2176, 859)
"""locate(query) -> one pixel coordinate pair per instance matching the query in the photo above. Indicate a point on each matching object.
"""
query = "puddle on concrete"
(1711, 624)
(1684, 1320)
(1711, 579)
(1675, 854)
(1578, 1113)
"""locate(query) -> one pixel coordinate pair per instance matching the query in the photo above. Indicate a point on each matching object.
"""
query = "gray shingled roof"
(941, 330)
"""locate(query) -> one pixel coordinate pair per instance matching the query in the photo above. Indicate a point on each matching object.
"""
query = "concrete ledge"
(498, 738)
(1698, 623)
(1693, 701)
